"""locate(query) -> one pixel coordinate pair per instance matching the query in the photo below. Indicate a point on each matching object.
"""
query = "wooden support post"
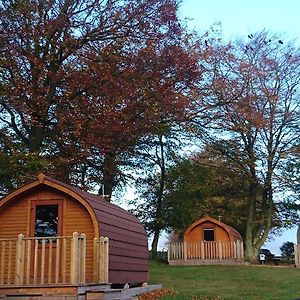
(83, 257)
(28, 261)
(220, 250)
(106, 259)
(95, 261)
(35, 268)
(202, 250)
(185, 251)
(2, 262)
(19, 260)
(50, 252)
(64, 260)
(74, 259)
(43, 261)
(238, 249)
(9, 268)
(101, 260)
(169, 254)
(57, 260)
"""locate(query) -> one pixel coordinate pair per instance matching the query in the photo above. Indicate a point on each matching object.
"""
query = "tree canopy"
(83, 81)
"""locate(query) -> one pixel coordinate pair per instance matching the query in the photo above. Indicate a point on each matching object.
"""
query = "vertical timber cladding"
(197, 233)
(77, 218)
(13, 220)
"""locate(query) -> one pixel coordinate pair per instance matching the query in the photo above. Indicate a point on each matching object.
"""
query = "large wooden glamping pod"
(208, 241)
(54, 233)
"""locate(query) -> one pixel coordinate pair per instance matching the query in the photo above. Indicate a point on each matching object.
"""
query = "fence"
(50, 260)
(206, 251)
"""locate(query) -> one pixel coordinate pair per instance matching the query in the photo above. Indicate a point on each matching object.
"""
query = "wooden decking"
(203, 252)
(71, 292)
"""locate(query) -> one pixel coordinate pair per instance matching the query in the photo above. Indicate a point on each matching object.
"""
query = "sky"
(239, 18)
(243, 17)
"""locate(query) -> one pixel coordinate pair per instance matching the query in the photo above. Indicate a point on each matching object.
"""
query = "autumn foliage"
(83, 81)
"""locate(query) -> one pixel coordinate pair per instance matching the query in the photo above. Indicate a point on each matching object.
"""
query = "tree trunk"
(35, 139)
(154, 244)
(250, 250)
(110, 172)
(161, 162)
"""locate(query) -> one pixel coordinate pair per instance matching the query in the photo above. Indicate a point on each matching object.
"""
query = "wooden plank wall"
(77, 218)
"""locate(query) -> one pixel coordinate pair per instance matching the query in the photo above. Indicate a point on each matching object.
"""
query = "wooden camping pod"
(82, 212)
(210, 229)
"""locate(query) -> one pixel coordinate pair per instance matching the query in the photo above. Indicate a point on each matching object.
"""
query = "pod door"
(46, 226)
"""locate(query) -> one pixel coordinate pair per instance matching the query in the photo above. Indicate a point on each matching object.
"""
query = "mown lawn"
(227, 282)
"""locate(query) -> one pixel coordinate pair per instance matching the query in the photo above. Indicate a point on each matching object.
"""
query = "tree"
(287, 250)
(81, 81)
(205, 183)
(150, 207)
(187, 189)
(253, 109)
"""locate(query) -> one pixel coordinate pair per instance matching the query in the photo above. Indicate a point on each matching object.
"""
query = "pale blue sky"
(240, 18)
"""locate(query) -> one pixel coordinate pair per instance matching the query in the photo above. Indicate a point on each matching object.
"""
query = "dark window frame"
(35, 204)
(211, 236)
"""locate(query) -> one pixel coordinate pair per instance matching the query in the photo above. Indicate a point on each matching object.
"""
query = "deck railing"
(203, 250)
(50, 260)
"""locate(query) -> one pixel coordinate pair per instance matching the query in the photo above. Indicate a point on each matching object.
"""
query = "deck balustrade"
(201, 251)
(51, 260)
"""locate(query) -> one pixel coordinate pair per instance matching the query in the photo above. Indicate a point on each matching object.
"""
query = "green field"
(227, 282)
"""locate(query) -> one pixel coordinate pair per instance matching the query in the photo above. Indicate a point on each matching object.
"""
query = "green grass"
(227, 282)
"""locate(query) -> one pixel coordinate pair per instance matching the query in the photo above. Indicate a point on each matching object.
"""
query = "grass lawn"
(227, 282)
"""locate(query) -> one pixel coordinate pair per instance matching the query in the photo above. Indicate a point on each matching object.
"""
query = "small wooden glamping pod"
(208, 241)
(54, 233)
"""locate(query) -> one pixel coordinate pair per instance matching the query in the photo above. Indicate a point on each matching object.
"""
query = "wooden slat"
(106, 259)
(64, 260)
(83, 258)
(2, 262)
(50, 260)
(43, 258)
(9, 266)
(95, 260)
(35, 267)
(28, 261)
(57, 260)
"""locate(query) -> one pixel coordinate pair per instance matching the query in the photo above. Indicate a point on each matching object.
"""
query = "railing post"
(19, 260)
(184, 251)
(2, 262)
(74, 259)
(238, 249)
(220, 250)
(169, 252)
(83, 257)
(106, 259)
(202, 250)
(95, 261)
